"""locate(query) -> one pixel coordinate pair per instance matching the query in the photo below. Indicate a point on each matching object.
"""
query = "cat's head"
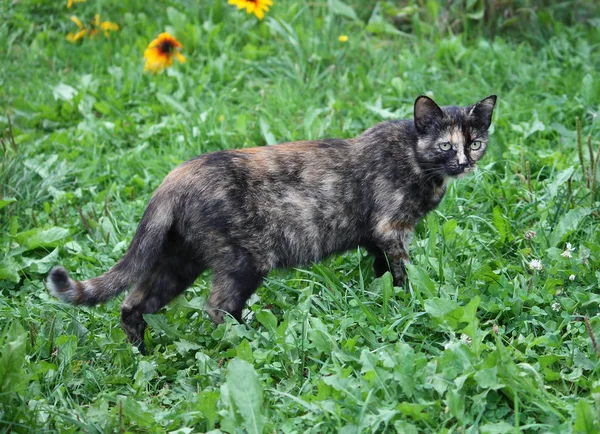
(450, 140)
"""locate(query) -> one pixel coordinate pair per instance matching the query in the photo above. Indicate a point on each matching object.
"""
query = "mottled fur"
(245, 212)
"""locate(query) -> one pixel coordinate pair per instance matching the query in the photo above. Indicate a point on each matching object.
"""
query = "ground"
(498, 331)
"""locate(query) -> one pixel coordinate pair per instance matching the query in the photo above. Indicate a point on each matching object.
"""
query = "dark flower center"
(166, 47)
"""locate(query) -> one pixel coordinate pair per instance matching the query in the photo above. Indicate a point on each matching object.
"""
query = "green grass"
(481, 343)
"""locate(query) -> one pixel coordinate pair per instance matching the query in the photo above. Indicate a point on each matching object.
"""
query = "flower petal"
(76, 21)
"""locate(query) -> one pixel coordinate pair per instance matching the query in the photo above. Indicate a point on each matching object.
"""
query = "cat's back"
(285, 163)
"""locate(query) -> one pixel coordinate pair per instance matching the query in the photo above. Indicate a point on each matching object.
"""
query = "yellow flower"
(96, 25)
(70, 2)
(74, 37)
(343, 38)
(258, 7)
(160, 53)
(105, 26)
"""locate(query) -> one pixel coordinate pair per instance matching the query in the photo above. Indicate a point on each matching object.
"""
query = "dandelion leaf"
(12, 359)
(246, 394)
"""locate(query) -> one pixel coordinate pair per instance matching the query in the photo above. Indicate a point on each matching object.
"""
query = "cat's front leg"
(398, 261)
(393, 241)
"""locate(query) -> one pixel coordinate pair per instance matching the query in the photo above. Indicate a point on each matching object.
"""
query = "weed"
(482, 342)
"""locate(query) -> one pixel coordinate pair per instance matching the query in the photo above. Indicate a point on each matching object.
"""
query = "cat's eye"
(475, 145)
(445, 146)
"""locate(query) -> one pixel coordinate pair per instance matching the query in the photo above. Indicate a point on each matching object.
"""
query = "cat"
(244, 212)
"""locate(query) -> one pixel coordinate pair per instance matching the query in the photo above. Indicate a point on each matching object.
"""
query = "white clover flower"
(556, 306)
(466, 339)
(529, 235)
(536, 264)
(568, 251)
(572, 277)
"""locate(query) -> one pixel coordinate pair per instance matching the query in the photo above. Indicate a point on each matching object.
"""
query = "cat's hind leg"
(154, 291)
(381, 264)
(231, 287)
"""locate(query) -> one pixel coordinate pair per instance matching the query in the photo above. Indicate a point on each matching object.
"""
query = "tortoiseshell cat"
(245, 212)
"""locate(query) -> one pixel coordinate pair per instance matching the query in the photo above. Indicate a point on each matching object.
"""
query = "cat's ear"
(427, 112)
(483, 110)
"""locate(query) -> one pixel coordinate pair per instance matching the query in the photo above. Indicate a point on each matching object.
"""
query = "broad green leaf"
(378, 377)
(421, 280)
(64, 92)
(387, 291)
(241, 124)
(382, 27)
(501, 224)
(173, 103)
(13, 226)
(267, 319)
(405, 427)
(6, 201)
(497, 428)
(470, 316)
(379, 110)
(146, 371)
(585, 420)
(319, 336)
(137, 412)
(246, 393)
(184, 346)
(340, 383)
(340, 8)
(455, 400)
(445, 311)
(9, 273)
(205, 363)
(433, 7)
(449, 230)
(417, 412)
(12, 359)
(404, 369)
(42, 266)
(477, 15)
(244, 352)
(35, 238)
(529, 128)
(559, 180)
(588, 90)
(102, 107)
(488, 378)
(160, 322)
(176, 18)
(66, 344)
(207, 404)
(567, 224)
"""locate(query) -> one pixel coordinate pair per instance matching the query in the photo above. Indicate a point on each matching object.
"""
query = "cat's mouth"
(460, 170)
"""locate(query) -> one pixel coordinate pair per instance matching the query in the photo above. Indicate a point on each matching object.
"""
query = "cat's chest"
(437, 192)
(419, 199)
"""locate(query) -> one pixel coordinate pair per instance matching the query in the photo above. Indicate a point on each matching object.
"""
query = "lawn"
(499, 329)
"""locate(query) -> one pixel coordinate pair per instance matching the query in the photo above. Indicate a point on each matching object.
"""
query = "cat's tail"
(142, 255)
